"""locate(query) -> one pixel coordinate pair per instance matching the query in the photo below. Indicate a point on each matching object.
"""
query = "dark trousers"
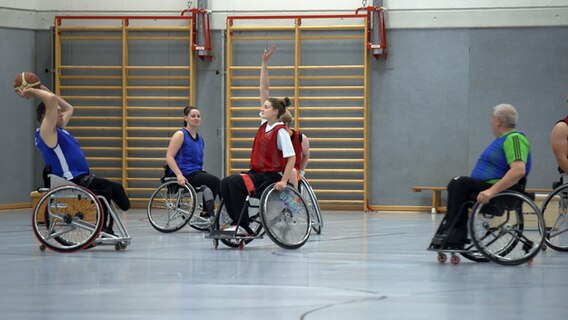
(234, 192)
(112, 191)
(461, 190)
(200, 178)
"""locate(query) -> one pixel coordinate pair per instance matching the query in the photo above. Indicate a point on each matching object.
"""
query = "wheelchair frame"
(497, 231)
(175, 209)
(290, 216)
(68, 207)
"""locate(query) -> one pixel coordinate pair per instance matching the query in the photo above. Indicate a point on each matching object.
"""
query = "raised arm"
(264, 83)
(51, 117)
(66, 107)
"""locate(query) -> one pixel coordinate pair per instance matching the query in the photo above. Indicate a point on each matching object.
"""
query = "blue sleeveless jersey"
(493, 163)
(66, 159)
(190, 156)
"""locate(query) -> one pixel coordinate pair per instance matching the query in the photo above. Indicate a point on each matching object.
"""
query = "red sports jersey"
(265, 156)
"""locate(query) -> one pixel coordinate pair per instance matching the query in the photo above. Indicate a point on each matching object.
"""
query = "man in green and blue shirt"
(504, 164)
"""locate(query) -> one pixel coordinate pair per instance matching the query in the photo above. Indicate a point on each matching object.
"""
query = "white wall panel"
(401, 14)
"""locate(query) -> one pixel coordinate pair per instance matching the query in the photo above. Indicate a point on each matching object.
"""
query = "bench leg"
(437, 202)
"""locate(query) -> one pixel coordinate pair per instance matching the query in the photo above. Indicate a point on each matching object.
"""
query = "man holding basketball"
(62, 152)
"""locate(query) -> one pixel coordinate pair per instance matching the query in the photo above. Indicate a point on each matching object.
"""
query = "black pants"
(234, 192)
(199, 178)
(112, 191)
(461, 190)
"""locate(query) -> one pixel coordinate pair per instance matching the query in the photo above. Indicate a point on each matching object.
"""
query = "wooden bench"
(437, 196)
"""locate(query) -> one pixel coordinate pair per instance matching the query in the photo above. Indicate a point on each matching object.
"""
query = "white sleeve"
(285, 144)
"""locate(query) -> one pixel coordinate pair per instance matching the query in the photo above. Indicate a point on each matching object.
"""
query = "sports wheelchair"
(282, 215)
(555, 212)
(497, 231)
(172, 206)
(313, 205)
(69, 217)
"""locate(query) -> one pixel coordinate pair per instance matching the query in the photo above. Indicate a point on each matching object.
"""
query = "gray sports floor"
(362, 266)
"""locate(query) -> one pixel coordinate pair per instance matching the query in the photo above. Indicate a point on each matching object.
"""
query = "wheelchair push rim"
(498, 228)
(171, 206)
(285, 217)
(67, 219)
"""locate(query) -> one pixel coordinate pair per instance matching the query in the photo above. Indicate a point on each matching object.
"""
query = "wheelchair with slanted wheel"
(69, 217)
(172, 206)
(497, 231)
(312, 203)
(555, 212)
(282, 215)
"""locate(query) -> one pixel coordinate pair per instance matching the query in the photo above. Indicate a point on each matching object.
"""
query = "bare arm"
(559, 142)
(264, 83)
(305, 153)
(66, 107)
(173, 148)
(515, 173)
(281, 185)
(48, 125)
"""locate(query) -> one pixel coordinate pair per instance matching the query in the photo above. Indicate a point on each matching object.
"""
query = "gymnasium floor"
(363, 266)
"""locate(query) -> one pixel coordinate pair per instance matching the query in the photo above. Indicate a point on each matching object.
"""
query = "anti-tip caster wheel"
(42, 248)
(442, 258)
(120, 246)
(455, 260)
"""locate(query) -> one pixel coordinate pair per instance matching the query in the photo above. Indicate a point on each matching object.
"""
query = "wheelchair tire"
(285, 217)
(224, 220)
(171, 206)
(313, 205)
(555, 212)
(498, 231)
(67, 219)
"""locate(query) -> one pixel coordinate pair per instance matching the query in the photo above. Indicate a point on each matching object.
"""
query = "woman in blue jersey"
(62, 152)
(185, 154)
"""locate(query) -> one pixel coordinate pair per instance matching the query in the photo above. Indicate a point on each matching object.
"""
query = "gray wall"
(433, 97)
(431, 103)
(17, 54)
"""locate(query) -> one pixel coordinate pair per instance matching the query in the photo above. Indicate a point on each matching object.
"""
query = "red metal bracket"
(377, 48)
(203, 49)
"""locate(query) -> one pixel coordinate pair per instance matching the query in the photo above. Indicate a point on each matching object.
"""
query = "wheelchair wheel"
(171, 206)
(225, 220)
(312, 203)
(498, 230)
(68, 219)
(555, 212)
(285, 217)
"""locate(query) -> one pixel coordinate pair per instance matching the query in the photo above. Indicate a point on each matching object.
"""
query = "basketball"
(27, 80)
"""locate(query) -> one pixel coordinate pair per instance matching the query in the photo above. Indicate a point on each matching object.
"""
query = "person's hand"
(484, 196)
(42, 87)
(181, 180)
(268, 53)
(24, 93)
(280, 185)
